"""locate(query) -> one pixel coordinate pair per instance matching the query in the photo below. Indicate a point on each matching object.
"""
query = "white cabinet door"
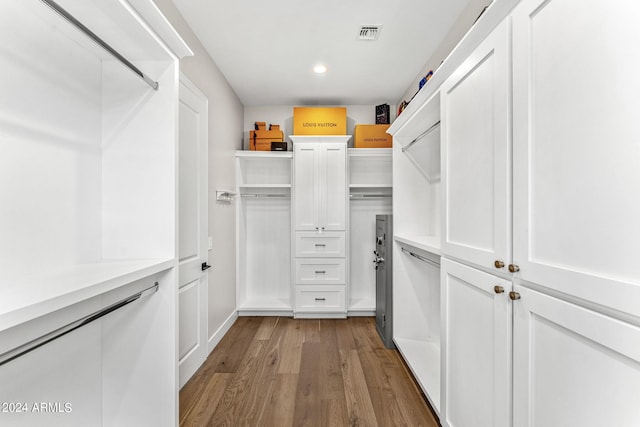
(334, 187)
(306, 186)
(576, 156)
(573, 366)
(320, 186)
(475, 151)
(476, 355)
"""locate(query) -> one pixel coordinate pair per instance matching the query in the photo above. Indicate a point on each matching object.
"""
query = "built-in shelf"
(263, 154)
(245, 186)
(27, 300)
(429, 244)
(423, 359)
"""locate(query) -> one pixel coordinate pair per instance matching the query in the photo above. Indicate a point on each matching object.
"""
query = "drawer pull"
(320, 245)
(321, 299)
(321, 271)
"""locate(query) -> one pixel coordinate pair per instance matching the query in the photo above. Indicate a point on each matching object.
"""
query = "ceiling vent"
(369, 32)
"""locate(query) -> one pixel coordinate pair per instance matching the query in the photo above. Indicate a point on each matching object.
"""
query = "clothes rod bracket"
(93, 36)
(70, 327)
(225, 195)
(421, 258)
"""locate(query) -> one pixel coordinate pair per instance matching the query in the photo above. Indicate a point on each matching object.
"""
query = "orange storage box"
(319, 120)
(372, 136)
(261, 138)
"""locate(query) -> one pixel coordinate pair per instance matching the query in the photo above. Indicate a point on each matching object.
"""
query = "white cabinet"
(476, 347)
(573, 366)
(320, 177)
(476, 172)
(88, 192)
(319, 225)
(576, 175)
(263, 227)
(370, 194)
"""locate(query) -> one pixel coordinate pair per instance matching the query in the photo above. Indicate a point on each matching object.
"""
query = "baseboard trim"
(222, 330)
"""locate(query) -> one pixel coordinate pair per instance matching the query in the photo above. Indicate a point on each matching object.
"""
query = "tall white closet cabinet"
(539, 294)
(320, 224)
(88, 215)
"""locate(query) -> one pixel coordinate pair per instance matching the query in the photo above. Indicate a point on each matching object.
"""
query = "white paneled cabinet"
(476, 347)
(576, 156)
(476, 173)
(573, 366)
(320, 188)
(319, 225)
(539, 163)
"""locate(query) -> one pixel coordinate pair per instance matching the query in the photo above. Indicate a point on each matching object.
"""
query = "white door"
(334, 187)
(573, 366)
(193, 230)
(576, 156)
(476, 347)
(476, 160)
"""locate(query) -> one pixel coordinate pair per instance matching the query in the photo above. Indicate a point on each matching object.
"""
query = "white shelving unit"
(416, 271)
(88, 211)
(370, 194)
(264, 233)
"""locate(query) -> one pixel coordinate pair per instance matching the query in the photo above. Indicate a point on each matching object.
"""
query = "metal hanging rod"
(422, 135)
(66, 15)
(70, 327)
(258, 195)
(421, 258)
(369, 196)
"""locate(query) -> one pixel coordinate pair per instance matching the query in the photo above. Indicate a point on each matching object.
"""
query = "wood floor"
(277, 371)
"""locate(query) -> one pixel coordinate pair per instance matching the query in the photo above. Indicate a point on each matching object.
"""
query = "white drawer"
(320, 271)
(320, 299)
(320, 245)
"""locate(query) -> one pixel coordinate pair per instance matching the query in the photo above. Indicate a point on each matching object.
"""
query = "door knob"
(205, 266)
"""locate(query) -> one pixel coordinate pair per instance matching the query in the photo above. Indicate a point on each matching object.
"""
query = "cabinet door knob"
(514, 295)
(499, 264)
(513, 268)
(498, 289)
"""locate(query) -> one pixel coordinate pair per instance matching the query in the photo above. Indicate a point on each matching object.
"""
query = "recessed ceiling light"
(320, 69)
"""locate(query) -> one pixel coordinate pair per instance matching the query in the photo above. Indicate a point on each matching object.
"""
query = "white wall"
(462, 25)
(283, 115)
(225, 136)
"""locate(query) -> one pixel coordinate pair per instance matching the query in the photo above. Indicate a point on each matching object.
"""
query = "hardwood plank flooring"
(280, 372)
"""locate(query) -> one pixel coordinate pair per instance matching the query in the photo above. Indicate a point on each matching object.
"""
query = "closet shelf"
(423, 359)
(26, 300)
(263, 154)
(429, 244)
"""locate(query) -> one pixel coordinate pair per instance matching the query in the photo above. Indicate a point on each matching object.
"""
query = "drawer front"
(320, 271)
(320, 245)
(320, 299)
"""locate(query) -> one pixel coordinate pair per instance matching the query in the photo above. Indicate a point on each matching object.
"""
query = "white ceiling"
(267, 49)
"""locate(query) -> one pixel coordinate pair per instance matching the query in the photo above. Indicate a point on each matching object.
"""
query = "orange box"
(261, 140)
(319, 120)
(372, 136)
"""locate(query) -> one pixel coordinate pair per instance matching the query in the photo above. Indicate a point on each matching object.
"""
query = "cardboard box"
(261, 140)
(372, 136)
(319, 120)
